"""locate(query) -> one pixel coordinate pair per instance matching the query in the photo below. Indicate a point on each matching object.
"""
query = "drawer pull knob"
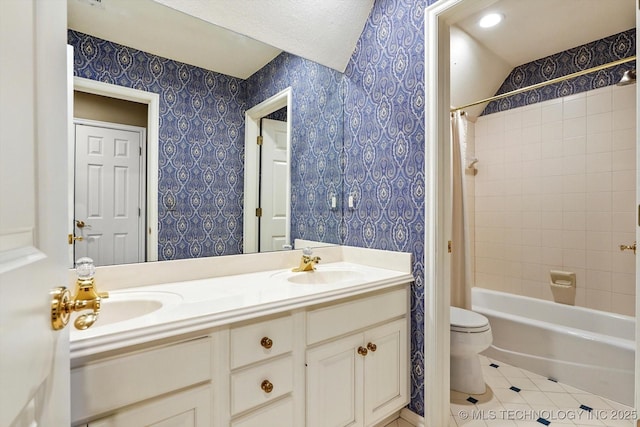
(372, 347)
(266, 386)
(362, 351)
(266, 342)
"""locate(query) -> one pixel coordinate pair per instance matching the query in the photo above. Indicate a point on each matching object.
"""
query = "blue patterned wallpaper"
(201, 138)
(201, 144)
(383, 153)
(599, 52)
(316, 141)
(385, 150)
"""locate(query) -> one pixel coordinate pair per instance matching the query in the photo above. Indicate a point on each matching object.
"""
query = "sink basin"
(122, 306)
(324, 277)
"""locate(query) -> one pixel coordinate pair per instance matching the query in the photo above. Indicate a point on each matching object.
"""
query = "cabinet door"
(385, 370)
(334, 384)
(189, 408)
(279, 414)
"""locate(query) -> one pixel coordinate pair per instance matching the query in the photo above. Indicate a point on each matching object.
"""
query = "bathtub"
(588, 349)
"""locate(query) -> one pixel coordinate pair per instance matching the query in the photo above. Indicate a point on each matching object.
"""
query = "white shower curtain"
(460, 257)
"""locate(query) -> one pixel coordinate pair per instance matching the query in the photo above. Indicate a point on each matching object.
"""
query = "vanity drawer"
(279, 414)
(333, 320)
(258, 341)
(119, 381)
(247, 384)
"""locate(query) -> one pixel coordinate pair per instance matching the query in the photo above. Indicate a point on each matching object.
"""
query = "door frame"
(437, 155)
(142, 196)
(251, 165)
(152, 100)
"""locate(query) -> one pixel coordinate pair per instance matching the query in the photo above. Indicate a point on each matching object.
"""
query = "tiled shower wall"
(555, 189)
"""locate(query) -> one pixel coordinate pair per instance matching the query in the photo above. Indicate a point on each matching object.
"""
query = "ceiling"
(534, 29)
(531, 29)
(325, 32)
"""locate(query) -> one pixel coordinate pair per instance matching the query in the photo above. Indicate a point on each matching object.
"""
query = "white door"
(108, 194)
(34, 361)
(273, 186)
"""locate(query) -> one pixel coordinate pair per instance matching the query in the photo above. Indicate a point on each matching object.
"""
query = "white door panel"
(274, 178)
(108, 194)
(34, 361)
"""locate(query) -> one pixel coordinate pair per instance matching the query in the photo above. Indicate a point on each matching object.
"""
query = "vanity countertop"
(201, 304)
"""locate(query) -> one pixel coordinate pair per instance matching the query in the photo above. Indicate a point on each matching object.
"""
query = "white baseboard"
(412, 418)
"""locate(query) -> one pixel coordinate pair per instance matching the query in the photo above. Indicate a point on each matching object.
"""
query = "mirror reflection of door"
(109, 193)
(274, 174)
(267, 164)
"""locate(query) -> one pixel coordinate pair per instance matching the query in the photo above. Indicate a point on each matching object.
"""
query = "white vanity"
(243, 341)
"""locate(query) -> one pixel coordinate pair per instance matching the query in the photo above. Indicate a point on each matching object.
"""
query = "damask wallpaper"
(201, 140)
(599, 52)
(316, 141)
(201, 144)
(385, 149)
(376, 107)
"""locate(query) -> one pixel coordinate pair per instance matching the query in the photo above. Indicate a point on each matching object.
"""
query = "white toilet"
(470, 334)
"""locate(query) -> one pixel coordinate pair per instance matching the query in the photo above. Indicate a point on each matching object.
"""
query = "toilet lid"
(467, 321)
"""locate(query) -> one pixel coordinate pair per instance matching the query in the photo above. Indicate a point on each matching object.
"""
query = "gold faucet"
(307, 263)
(86, 298)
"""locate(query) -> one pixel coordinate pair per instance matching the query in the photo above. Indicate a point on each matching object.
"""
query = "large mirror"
(186, 191)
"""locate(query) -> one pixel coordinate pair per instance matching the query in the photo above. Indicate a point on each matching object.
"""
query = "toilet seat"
(467, 321)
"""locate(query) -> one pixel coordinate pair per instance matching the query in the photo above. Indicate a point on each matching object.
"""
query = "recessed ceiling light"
(491, 19)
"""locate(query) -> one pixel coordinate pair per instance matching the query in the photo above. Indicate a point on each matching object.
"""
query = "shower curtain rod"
(548, 82)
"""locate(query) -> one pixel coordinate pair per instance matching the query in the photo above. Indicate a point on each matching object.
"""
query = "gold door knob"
(372, 347)
(362, 351)
(266, 386)
(80, 223)
(266, 342)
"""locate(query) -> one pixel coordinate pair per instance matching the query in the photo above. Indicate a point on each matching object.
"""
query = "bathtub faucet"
(307, 263)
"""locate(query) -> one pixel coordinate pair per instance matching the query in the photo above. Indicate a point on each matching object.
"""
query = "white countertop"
(202, 304)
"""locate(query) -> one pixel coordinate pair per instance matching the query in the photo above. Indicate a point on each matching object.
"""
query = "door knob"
(362, 351)
(87, 297)
(80, 223)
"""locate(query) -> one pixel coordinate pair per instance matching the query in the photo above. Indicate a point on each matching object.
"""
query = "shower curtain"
(460, 257)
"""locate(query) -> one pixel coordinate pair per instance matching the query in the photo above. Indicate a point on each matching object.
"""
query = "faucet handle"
(307, 251)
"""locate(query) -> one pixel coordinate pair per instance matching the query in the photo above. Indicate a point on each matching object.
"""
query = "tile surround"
(563, 197)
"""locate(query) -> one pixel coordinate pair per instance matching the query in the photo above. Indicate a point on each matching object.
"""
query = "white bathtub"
(587, 349)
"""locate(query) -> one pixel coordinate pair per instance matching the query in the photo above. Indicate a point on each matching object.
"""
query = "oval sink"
(122, 306)
(324, 277)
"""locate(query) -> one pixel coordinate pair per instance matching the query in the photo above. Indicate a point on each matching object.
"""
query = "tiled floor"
(516, 397)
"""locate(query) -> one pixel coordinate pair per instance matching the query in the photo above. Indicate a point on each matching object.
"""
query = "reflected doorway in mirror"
(280, 198)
